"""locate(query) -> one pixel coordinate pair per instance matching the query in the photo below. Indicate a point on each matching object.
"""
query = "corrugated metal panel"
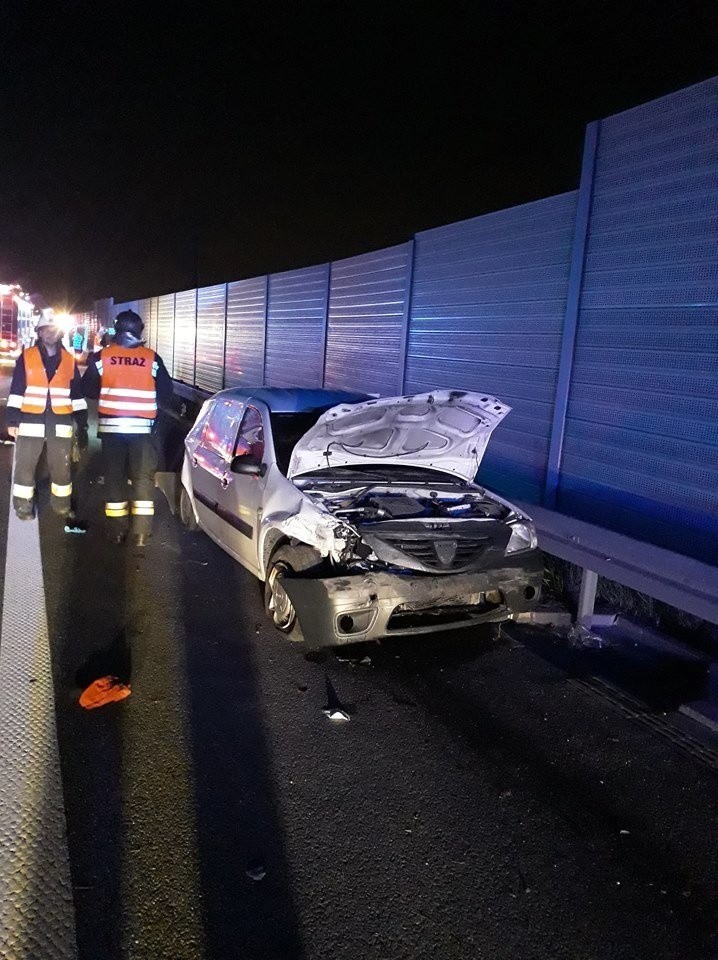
(246, 316)
(144, 310)
(296, 323)
(154, 324)
(641, 445)
(209, 372)
(366, 312)
(183, 366)
(163, 340)
(487, 309)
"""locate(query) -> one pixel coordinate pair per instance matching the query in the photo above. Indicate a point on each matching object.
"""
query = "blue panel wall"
(183, 366)
(632, 421)
(246, 322)
(641, 443)
(487, 308)
(366, 312)
(210, 337)
(164, 328)
(296, 322)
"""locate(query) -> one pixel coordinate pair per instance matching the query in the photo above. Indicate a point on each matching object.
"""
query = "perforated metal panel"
(487, 308)
(641, 444)
(246, 321)
(154, 321)
(150, 332)
(209, 367)
(183, 366)
(366, 314)
(296, 323)
(165, 328)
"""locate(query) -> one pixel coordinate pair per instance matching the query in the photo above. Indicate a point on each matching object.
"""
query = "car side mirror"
(247, 464)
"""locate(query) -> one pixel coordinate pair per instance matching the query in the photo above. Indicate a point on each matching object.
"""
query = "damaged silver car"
(361, 516)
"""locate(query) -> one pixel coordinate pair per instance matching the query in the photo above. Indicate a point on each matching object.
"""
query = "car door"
(240, 498)
(210, 460)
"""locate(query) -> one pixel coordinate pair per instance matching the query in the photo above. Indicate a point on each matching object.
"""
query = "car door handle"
(194, 461)
(224, 482)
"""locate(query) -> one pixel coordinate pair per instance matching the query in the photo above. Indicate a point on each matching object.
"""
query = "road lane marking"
(36, 907)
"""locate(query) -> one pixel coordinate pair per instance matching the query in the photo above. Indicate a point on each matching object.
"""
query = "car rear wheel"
(285, 562)
(186, 512)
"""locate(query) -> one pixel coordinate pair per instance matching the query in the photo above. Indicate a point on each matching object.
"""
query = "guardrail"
(680, 581)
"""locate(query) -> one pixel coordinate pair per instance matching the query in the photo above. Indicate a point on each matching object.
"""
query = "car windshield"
(288, 429)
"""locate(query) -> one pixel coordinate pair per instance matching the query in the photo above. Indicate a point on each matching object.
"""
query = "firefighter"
(129, 381)
(44, 405)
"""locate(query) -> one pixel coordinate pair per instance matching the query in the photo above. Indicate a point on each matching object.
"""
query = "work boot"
(25, 514)
(115, 536)
(141, 539)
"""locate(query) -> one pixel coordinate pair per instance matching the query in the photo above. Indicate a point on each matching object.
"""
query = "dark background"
(151, 148)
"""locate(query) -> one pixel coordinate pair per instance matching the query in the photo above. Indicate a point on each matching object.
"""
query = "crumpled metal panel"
(487, 310)
(209, 366)
(640, 450)
(246, 329)
(296, 324)
(36, 907)
(366, 318)
(183, 364)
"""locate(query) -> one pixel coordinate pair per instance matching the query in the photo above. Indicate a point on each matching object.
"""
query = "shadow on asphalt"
(85, 585)
(247, 898)
(661, 680)
(483, 713)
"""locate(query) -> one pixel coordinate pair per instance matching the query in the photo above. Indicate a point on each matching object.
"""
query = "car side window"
(250, 438)
(221, 427)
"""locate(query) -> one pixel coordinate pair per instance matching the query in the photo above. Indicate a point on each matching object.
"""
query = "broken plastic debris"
(74, 528)
(103, 691)
(256, 871)
(580, 636)
(336, 713)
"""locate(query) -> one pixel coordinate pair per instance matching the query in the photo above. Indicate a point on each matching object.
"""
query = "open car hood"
(446, 430)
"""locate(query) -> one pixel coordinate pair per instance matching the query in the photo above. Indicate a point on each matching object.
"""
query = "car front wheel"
(285, 562)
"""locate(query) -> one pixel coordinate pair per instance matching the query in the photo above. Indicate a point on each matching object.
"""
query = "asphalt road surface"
(480, 802)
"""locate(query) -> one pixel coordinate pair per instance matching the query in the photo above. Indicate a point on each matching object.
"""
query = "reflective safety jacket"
(44, 384)
(128, 382)
(38, 387)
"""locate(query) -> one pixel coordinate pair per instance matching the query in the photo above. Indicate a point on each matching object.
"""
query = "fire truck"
(16, 321)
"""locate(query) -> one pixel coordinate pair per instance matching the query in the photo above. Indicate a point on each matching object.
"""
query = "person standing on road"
(129, 381)
(45, 398)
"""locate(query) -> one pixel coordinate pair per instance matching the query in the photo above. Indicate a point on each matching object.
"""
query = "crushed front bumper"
(367, 606)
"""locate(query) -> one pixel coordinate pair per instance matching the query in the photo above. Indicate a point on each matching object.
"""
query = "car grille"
(441, 553)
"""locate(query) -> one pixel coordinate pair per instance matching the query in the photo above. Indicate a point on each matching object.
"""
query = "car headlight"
(523, 537)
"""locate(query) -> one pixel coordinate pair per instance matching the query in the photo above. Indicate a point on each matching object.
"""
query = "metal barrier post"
(568, 343)
(408, 284)
(326, 325)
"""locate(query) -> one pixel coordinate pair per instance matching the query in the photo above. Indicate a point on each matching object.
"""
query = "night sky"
(146, 148)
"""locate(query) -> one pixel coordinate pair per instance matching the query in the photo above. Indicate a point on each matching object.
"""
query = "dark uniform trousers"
(59, 452)
(134, 457)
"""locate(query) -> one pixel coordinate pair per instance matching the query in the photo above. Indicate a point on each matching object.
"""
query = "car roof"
(293, 399)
